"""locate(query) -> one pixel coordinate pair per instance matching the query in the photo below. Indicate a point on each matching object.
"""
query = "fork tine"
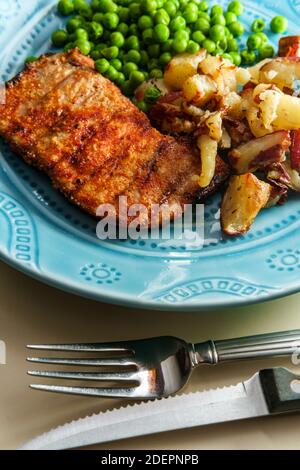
(88, 347)
(120, 362)
(87, 391)
(116, 377)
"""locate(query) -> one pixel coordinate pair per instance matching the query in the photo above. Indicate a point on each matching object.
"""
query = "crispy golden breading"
(70, 122)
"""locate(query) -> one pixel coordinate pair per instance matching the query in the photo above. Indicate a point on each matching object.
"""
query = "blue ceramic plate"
(44, 236)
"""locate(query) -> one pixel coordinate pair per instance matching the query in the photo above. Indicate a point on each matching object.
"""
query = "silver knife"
(268, 392)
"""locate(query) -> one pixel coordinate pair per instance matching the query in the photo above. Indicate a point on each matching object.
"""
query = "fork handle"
(251, 347)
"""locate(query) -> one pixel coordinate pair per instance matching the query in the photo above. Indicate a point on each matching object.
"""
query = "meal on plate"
(205, 124)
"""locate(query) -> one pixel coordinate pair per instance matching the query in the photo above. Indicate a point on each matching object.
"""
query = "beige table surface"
(31, 312)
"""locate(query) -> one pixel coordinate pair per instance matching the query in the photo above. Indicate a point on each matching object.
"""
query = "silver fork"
(155, 367)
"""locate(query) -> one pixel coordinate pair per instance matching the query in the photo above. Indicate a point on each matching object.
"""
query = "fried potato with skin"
(260, 153)
(181, 67)
(246, 195)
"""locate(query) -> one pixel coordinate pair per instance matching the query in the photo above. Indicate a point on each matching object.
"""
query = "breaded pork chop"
(69, 121)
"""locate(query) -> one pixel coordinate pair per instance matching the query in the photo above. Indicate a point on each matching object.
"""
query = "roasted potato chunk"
(208, 150)
(199, 89)
(181, 67)
(289, 46)
(260, 153)
(246, 195)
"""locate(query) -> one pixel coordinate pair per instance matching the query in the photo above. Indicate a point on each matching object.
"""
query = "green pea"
(117, 39)
(162, 17)
(218, 19)
(86, 13)
(81, 33)
(193, 47)
(133, 56)
(145, 22)
(132, 42)
(110, 20)
(110, 52)
(279, 24)
(102, 65)
(167, 46)
(100, 46)
(232, 45)
(248, 57)
(123, 29)
(181, 35)
(128, 68)
(198, 37)
(60, 38)
(264, 38)
(95, 54)
(117, 64)
(209, 45)
(202, 25)
(147, 36)
(149, 6)
(222, 44)
(151, 95)
(161, 33)
(65, 7)
(179, 45)
(98, 17)
(30, 59)
(164, 59)
(135, 10)
(111, 73)
(68, 47)
(95, 5)
(177, 23)
(107, 6)
(236, 58)
(84, 46)
(95, 30)
(236, 7)
(124, 14)
(153, 64)
(170, 8)
(230, 17)
(190, 16)
(154, 50)
(216, 10)
(266, 52)
(258, 25)
(73, 24)
(217, 32)
(156, 73)
(136, 78)
(144, 58)
(142, 106)
(254, 42)
(133, 30)
(236, 28)
(227, 56)
(204, 15)
(203, 6)
(120, 79)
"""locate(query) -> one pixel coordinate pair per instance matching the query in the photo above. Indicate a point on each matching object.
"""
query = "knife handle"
(281, 390)
(251, 347)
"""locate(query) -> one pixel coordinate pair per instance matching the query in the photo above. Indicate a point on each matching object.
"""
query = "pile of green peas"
(133, 40)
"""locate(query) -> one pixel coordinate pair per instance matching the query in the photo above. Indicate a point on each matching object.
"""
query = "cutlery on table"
(155, 367)
(268, 392)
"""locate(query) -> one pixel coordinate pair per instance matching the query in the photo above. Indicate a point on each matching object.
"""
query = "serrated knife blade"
(249, 399)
